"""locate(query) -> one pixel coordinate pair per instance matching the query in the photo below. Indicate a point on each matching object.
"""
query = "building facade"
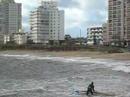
(127, 20)
(10, 17)
(20, 38)
(47, 23)
(95, 36)
(105, 34)
(119, 21)
(7, 39)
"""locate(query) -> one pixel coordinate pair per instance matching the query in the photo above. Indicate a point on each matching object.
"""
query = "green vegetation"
(104, 49)
(108, 49)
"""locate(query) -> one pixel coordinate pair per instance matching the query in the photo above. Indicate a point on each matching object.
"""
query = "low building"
(95, 36)
(80, 41)
(20, 38)
(7, 39)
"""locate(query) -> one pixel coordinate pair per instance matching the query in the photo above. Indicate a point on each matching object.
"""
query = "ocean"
(30, 75)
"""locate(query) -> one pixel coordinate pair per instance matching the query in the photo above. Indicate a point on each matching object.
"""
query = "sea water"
(27, 75)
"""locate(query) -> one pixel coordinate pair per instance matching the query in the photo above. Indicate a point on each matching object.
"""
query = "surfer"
(91, 89)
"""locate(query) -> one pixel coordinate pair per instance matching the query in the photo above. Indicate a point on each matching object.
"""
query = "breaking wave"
(117, 65)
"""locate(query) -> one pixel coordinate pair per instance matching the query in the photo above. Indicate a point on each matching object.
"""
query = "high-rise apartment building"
(47, 23)
(10, 17)
(105, 34)
(119, 21)
(127, 20)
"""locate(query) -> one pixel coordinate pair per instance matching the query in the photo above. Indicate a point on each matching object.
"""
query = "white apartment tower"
(119, 21)
(10, 17)
(47, 23)
(95, 36)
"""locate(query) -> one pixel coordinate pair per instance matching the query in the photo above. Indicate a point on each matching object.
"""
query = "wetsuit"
(92, 87)
(90, 90)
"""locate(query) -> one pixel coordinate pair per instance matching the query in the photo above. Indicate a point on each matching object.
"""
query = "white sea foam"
(7, 55)
(114, 64)
(122, 68)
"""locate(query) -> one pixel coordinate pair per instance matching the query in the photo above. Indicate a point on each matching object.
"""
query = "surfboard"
(96, 93)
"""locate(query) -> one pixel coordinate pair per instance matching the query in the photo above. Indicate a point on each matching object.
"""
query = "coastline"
(94, 54)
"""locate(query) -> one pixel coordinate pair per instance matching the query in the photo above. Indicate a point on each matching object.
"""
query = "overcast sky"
(79, 14)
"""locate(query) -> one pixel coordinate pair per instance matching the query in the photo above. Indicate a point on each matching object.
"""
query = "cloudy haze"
(79, 14)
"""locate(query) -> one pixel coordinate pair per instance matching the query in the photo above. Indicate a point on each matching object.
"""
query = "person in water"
(91, 89)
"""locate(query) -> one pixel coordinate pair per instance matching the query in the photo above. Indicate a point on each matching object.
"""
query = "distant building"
(80, 41)
(29, 38)
(19, 38)
(68, 37)
(119, 21)
(7, 38)
(95, 36)
(105, 34)
(47, 23)
(10, 18)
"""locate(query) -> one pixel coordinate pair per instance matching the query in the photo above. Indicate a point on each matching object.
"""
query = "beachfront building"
(7, 38)
(10, 18)
(20, 38)
(119, 22)
(95, 36)
(47, 23)
(105, 34)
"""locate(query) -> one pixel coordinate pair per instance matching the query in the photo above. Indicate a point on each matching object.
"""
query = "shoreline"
(94, 54)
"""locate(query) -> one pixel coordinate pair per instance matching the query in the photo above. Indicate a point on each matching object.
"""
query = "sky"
(79, 14)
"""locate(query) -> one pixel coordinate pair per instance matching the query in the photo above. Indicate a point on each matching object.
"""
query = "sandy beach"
(102, 55)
